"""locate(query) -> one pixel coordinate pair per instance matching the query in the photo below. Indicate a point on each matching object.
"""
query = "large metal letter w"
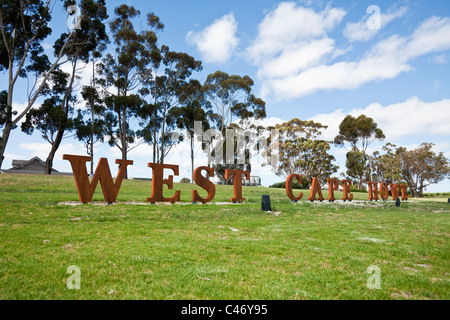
(102, 173)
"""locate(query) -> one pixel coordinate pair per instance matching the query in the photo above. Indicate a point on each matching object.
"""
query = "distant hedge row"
(305, 184)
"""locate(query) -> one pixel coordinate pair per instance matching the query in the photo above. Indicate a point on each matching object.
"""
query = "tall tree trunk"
(124, 157)
(9, 123)
(154, 140)
(4, 141)
(55, 146)
(125, 141)
(11, 82)
(163, 138)
(62, 127)
(92, 140)
(421, 190)
(192, 158)
(92, 119)
(414, 189)
(155, 145)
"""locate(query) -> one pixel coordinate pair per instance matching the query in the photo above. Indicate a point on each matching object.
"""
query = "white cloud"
(443, 147)
(141, 150)
(385, 60)
(9, 157)
(83, 76)
(359, 31)
(36, 149)
(41, 149)
(20, 107)
(47, 47)
(399, 120)
(432, 35)
(332, 120)
(440, 59)
(288, 25)
(266, 122)
(436, 85)
(296, 58)
(217, 41)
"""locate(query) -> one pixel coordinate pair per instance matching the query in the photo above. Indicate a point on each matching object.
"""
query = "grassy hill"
(297, 251)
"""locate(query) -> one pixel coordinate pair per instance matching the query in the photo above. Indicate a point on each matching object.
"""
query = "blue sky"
(314, 60)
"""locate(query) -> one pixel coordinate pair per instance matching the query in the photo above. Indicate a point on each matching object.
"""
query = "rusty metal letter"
(333, 185)
(346, 189)
(404, 191)
(289, 191)
(205, 183)
(373, 191)
(394, 191)
(158, 182)
(237, 183)
(384, 191)
(102, 173)
(315, 188)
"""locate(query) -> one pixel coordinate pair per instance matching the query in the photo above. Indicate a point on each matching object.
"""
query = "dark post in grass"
(397, 202)
(265, 203)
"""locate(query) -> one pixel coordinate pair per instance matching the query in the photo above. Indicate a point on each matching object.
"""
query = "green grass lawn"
(298, 251)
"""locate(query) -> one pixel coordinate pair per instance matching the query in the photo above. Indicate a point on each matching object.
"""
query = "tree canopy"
(421, 167)
(359, 132)
(303, 152)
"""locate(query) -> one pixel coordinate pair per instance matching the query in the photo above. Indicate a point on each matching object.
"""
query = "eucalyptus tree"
(186, 115)
(171, 89)
(150, 125)
(90, 130)
(386, 167)
(357, 169)
(422, 166)
(231, 100)
(24, 24)
(54, 117)
(130, 65)
(303, 152)
(359, 133)
(77, 48)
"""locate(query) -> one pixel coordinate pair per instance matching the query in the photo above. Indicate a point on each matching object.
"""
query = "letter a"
(102, 173)
(315, 188)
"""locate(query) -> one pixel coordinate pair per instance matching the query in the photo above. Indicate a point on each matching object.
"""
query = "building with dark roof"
(34, 165)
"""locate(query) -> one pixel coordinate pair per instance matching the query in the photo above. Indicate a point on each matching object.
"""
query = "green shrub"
(354, 188)
(295, 185)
